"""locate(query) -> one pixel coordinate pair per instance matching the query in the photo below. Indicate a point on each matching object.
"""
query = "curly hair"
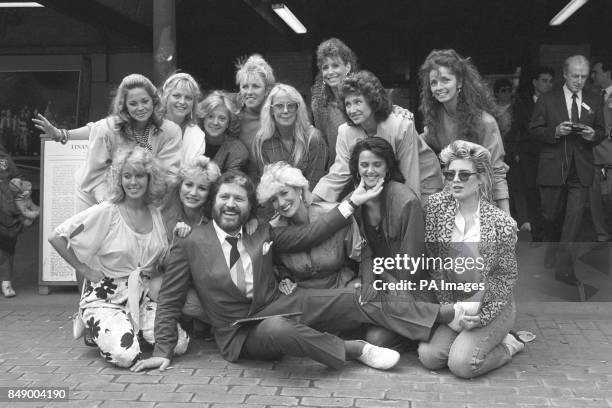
(119, 108)
(334, 48)
(140, 160)
(366, 84)
(278, 175)
(240, 179)
(381, 148)
(321, 93)
(474, 96)
(200, 166)
(254, 65)
(302, 128)
(180, 80)
(214, 100)
(480, 158)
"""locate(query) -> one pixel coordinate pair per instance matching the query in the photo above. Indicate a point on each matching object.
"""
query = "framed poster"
(59, 163)
(24, 94)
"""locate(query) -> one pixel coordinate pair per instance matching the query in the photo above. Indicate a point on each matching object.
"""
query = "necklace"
(142, 138)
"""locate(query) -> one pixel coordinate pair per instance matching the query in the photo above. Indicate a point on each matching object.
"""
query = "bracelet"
(352, 203)
(64, 136)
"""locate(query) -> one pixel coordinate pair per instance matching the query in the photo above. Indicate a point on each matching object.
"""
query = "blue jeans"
(470, 353)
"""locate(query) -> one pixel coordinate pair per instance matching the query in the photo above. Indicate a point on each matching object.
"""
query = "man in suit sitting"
(233, 277)
(568, 122)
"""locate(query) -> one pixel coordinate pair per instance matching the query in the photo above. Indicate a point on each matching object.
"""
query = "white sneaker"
(378, 357)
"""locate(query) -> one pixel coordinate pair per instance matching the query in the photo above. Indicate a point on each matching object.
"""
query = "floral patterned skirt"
(105, 310)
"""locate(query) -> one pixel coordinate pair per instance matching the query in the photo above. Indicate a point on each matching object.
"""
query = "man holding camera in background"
(569, 122)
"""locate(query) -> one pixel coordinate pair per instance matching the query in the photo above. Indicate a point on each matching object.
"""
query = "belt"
(604, 166)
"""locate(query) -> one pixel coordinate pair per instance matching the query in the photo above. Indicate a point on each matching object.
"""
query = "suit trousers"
(570, 197)
(329, 310)
(528, 166)
(601, 204)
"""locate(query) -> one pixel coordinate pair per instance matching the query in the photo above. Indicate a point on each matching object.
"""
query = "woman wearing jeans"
(462, 223)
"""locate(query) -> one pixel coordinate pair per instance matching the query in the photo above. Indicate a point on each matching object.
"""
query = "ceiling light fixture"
(18, 4)
(569, 9)
(289, 18)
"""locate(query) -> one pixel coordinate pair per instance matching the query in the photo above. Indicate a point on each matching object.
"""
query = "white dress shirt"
(245, 259)
(568, 101)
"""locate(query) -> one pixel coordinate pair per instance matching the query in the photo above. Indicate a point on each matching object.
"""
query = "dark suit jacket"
(402, 228)
(557, 154)
(198, 260)
(527, 144)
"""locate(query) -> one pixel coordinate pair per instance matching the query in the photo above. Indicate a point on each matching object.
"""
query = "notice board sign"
(59, 164)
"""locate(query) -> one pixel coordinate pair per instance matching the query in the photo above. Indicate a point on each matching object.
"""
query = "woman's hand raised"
(362, 195)
(41, 123)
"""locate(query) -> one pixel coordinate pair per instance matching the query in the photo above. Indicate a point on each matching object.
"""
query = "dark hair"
(501, 83)
(535, 75)
(333, 48)
(234, 177)
(366, 84)
(380, 147)
(474, 98)
(606, 66)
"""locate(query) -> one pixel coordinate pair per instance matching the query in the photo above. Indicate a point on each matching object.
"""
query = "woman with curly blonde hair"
(287, 135)
(135, 119)
(463, 226)
(457, 104)
(324, 266)
(116, 245)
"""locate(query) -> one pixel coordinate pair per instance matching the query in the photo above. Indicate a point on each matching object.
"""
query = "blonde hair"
(119, 108)
(302, 129)
(175, 81)
(141, 160)
(480, 158)
(277, 176)
(216, 99)
(254, 65)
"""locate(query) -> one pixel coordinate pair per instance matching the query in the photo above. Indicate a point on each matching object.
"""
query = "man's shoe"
(378, 357)
(565, 273)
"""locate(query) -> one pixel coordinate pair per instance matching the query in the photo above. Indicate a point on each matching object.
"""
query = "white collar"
(568, 93)
(221, 234)
(608, 91)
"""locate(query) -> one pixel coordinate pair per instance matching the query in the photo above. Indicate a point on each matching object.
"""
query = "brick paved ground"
(568, 365)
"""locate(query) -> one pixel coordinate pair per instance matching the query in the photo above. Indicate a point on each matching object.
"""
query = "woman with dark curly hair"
(116, 245)
(368, 111)
(457, 104)
(462, 224)
(335, 61)
(221, 124)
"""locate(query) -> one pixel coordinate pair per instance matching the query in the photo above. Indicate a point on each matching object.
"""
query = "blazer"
(232, 155)
(198, 261)
(497, 248)
(557, 153)
(402, 228)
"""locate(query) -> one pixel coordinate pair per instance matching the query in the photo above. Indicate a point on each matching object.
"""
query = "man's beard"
(232, 225)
